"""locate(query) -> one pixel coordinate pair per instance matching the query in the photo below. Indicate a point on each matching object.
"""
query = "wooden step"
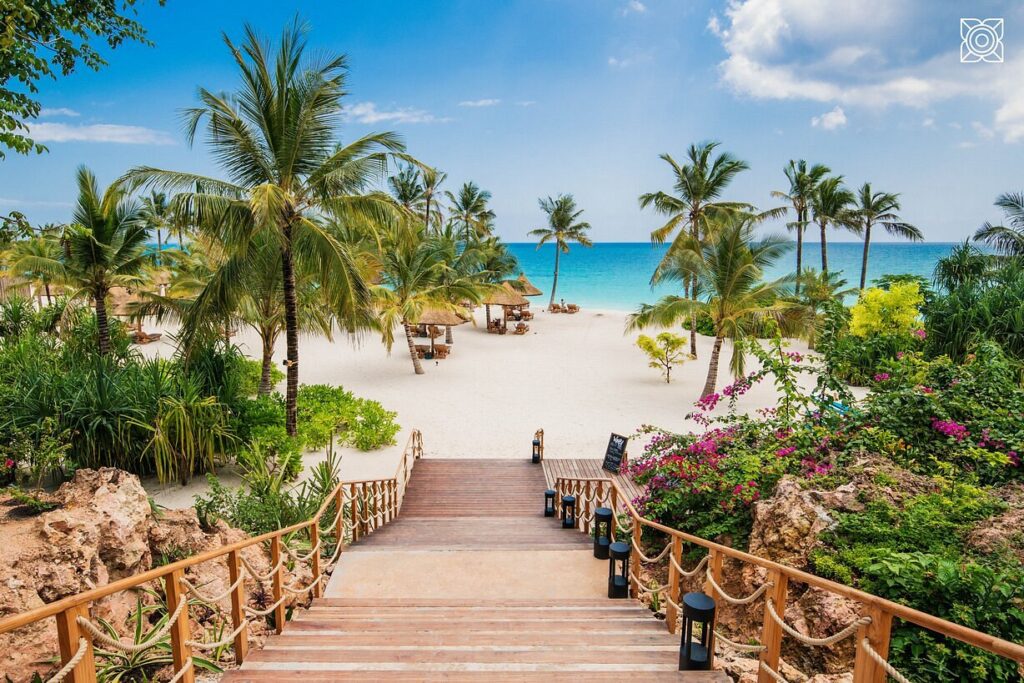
(475, 533)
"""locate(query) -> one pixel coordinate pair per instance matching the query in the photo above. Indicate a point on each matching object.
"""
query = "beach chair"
(527, 315)
(440, 351)
(522, 328)
(555, 308)
(572, 308)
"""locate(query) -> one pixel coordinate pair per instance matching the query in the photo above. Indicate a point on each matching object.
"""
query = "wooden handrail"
(68, 609)
(879, 608)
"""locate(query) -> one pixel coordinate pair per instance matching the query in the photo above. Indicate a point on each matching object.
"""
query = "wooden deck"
(586, 469)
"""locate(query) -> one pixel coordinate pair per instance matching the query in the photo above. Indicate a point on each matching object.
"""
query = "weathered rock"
(787, 525)
(1005, 531)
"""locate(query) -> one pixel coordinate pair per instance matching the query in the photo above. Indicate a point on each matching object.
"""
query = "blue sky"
(536, 97)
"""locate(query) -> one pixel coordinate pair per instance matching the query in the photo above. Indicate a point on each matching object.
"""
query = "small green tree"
(665, 351)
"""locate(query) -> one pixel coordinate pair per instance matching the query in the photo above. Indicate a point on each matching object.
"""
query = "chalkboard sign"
(615, 453)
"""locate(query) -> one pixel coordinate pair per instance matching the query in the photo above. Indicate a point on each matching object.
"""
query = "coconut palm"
(1007, 239)
(432, 179)
(469, 209)
(831, 205)
(728, 267)
(563, 227)
(407, 189)
(22, 254)
(803, 183)
(156, 212)
(697, 190)
(820, 289)
(879, 209)
(276, 141)
(104, 247)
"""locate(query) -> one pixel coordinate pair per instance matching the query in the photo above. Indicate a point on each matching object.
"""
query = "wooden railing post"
(585, 520)
(68, 636)
(237, 605)
(771, 633)
(181, 653)
(634, 558)
(866, 669)
(353, 504)
(615, 514)
(715, 567)
(277, 582)
(339, 509)
(671, 614)
(314, 541)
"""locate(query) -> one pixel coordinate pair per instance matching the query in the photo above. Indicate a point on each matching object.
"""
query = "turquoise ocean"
(616, 275)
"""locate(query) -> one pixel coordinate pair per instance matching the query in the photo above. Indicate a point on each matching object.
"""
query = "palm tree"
(803, 183)
(469, 208)
(564, 226)
(156, 212)
(276, 140)
(820, 289)
(879, 208)
(728, 267)
(22, 254)
(104, 247)
(432, 179)
(831, 206)
(1006, 239)
(698, 188)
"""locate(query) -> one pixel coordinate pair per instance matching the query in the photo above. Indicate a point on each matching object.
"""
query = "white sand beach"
(576, 376)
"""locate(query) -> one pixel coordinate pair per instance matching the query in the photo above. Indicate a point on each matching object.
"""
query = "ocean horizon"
(616, 275)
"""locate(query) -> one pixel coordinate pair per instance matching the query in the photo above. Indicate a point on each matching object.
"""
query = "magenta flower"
(950, 428)
(783, 452)
(882, 377)
(920, 334)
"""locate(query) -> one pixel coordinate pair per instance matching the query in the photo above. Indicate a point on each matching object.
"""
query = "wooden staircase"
(453, 508)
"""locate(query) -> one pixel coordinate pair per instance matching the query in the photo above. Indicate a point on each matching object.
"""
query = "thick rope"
(736, 601)
(738, 647)
(302, 558)
(83, 648)
(212, 599)
(100, 636)
(262, 577)
(896, 675)
(181, 673)
(845, 632)
(226, 640)
(299, 591)
(335, 556)
(773, 673)
(640, 586)
(334, 524)
(262, 613)
(693, 572)
(650, 560)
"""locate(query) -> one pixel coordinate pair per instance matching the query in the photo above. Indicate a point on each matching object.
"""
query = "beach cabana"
(524, 286)
(437, 318)
(509, 299)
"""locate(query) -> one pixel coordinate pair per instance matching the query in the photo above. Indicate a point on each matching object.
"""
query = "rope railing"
(842, 634)
(775, 675)
(737, 647)
(357, 508)
(880, 661)
(730, 599)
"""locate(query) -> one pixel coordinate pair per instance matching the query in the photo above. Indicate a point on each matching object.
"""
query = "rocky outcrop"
(104, 529)
(1005, 531)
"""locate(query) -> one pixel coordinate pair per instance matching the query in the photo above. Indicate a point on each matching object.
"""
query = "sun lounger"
(522, 328)
(572, 308)
(555, 308)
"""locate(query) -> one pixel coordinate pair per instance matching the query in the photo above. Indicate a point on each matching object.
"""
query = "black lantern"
(699, 611)
(618, 570)
(568, 512)
(549, 503)
(536, 451)
(602, 532)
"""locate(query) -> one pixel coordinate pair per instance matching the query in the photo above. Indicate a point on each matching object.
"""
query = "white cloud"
(982, 130)
(855, 54)
(633, 6)
(830, 120)
(57, 111)
(526, 103)
(99, 132)
(928, 123)
(367, 112)
(487, 102)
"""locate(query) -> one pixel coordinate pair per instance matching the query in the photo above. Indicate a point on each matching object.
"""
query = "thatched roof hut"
(524, 286)
(440, 317)
(505, 296)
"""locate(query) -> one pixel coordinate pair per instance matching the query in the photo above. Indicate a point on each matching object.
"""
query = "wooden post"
(353, 504)
(615, 514)
(715, 567)
(68, 635)
(339, 509)
(180, 632)
(278, 582)
(771, 634)
(866, 669)
(237, 605)
(584, 523)
(634, 559)
(671, 614)
(314, 562)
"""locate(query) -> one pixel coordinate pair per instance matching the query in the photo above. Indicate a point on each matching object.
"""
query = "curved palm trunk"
(268, 338)
(291, 325)
(426, 218)
(799, 251)
(159, 247)
(554, 285)
(693, 319)
(102, 324)
(864, 258)
(824, 248)
(416, 365)
(46, 286)
(712, 380)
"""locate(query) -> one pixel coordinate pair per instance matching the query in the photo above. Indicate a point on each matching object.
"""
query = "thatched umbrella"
(125, 303)
(506, 297)
(524, 286)
(441, 318)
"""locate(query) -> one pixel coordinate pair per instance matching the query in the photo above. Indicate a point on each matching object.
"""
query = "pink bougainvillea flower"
(882, 377)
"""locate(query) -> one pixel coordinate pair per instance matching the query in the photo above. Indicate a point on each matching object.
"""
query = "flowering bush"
(7, 471)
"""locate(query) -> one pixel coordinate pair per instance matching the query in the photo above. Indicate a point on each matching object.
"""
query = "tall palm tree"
(879, 208)
(820, 289)
(1007, 239)
(104, 247)
(563, 227)
(156, 212)
(432, 179)
(803, 183)
(698, 187)
(21, 256)
(728, 267)
(407, 189)
(469, 209)
(831, 206)
(276, 141)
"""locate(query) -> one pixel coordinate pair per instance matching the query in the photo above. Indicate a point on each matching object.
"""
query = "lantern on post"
(538, 447)
(568, 512)
(549, 503)
(698, 613)
(536, 451)
(602, 532)
(618, 570)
